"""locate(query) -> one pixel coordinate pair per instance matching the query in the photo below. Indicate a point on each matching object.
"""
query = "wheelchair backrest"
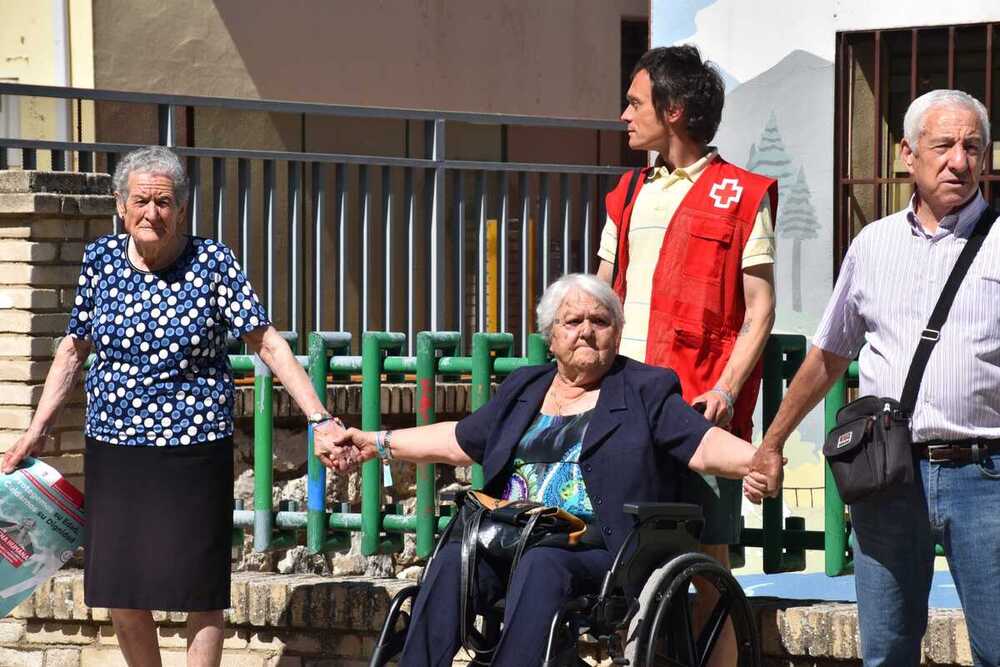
(662, 531)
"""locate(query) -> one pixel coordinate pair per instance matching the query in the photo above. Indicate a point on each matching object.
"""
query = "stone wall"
(275, 621)
(804, 632)
(289, 474)
(313, 621)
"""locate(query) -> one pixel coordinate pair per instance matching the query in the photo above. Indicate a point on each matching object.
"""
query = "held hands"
(343, 450)
(766, 474)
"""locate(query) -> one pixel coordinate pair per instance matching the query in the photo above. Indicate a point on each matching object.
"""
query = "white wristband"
(383, 443)
(726, 396)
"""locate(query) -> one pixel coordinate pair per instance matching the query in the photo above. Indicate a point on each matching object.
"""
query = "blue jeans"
(894, 536)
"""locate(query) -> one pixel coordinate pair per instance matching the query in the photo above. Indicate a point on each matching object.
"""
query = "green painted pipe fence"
(837, 557)
(784, 542)
(436, 354)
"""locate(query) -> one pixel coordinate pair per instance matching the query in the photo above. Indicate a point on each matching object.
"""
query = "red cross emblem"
(726, 193)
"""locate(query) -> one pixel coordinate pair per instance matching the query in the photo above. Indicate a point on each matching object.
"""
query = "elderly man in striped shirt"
(889, 282)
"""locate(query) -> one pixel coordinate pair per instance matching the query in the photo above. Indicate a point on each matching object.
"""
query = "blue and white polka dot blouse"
(161, 376)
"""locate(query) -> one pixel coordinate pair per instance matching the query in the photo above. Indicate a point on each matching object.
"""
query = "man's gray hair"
(556, 293)
(152, 160)
(913, 121)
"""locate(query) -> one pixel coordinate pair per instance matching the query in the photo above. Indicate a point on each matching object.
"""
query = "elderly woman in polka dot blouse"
(157, 305)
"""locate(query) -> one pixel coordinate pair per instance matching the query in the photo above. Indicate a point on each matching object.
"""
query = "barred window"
(878, 74)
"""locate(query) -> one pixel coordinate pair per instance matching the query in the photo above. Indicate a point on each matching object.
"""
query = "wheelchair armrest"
(670, 511)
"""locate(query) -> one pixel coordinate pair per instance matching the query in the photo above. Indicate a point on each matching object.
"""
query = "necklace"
(575, 394)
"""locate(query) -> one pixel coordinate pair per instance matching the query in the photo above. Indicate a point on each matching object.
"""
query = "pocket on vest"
(696, 357)
(707, 246)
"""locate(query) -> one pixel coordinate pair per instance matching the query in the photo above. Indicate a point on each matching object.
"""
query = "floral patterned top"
(545, 468)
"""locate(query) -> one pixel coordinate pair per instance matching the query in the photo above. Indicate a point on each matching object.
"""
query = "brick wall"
(275, 621)
(46, 218)
(315, 621)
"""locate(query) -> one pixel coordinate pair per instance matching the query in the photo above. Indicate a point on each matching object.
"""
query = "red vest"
(697, 306)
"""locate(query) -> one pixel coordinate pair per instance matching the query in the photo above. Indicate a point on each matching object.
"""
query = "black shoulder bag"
(871, 448)
(499, 531)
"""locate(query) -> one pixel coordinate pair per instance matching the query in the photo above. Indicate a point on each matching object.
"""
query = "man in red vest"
(689, 248)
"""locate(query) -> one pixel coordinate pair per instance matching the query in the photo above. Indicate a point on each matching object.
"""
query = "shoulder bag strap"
(632, 183)
(472, 641)
(522, 544)
(932, 333)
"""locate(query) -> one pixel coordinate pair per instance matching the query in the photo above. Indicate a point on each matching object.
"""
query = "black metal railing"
(357, 242)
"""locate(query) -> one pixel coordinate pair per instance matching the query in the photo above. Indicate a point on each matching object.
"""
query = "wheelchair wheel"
(662, 633)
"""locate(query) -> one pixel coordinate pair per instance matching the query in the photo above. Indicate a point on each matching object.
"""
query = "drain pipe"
(62, 73)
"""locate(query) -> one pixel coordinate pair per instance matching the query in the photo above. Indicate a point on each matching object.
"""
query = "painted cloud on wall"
(745, 38)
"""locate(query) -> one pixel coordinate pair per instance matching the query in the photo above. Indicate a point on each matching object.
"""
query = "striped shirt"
(889, 282)
(658, 199)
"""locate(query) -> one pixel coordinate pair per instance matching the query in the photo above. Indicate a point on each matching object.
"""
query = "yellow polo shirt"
(655, 206)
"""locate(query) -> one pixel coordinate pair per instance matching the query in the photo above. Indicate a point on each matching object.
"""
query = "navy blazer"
(636, 448)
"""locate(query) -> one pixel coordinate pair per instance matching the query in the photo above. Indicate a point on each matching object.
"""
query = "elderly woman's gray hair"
(152, 160)
(913, 121)
(555, 294)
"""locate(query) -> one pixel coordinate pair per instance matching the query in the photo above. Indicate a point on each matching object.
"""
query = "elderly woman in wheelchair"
(606, 439)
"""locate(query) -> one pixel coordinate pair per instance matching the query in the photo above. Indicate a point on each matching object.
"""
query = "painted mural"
(778, 121)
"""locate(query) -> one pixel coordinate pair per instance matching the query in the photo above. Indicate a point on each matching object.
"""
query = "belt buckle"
(942, 448)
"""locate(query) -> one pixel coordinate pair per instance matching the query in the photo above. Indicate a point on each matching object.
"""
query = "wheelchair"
(642, 613)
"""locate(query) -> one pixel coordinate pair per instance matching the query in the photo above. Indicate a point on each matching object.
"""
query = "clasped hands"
(342, 450)
(766, 467)
(765, 476)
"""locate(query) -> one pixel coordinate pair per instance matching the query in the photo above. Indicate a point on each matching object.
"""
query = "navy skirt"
(159, 526)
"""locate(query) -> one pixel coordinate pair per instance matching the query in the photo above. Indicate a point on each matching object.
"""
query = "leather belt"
(957, 452)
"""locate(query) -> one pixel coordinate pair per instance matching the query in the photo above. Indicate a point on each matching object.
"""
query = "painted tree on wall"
(769, 158)
(796, 217)
(799, 223)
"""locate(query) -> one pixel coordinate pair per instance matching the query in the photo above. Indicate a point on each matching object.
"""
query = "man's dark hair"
(680, 78)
